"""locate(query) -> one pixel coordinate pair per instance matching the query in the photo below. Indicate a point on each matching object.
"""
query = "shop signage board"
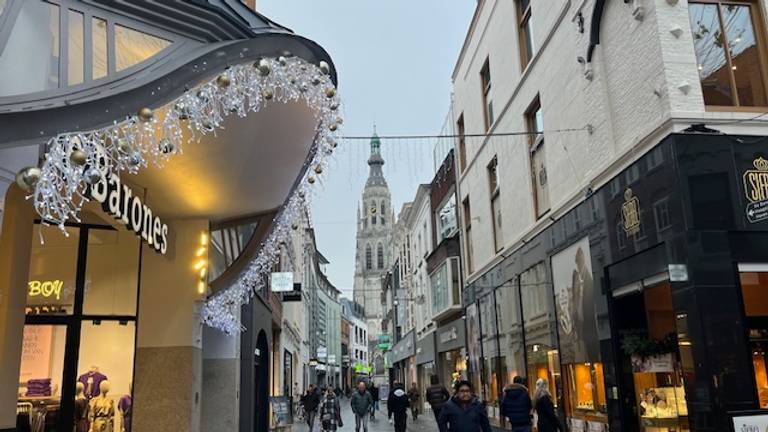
(655, 364)
(756, 191)
(630, 213)
(449, 335)
(281, 282)
(118, 200)
(755, 422)
(281, 410)
(322, 352)
(51, 288)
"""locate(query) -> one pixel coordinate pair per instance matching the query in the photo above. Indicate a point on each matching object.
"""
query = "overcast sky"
(394, 59)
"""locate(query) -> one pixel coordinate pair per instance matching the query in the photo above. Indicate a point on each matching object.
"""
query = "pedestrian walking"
(397, 405)
(437, 395)
(517, 406)
(375, 395)
(330, 412)
(413, 398)
(361, 403)
(545, 408)
(463, 412)
(310, 400)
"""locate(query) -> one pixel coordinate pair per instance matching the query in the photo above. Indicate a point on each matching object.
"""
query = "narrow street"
(425, 423)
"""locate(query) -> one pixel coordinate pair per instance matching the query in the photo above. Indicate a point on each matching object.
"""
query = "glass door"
(41, 377)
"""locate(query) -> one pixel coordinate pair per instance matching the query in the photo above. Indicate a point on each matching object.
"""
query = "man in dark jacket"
(361, 402)
(397, 405)
(516, 406)
(310, 400)
(375, 395)
(437, 395)
(463, 412)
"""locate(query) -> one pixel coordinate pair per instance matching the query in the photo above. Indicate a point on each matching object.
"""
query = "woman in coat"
(330, 411)
(545, 408)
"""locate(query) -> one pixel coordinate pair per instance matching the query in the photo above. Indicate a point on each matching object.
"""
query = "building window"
(485, 80)
(495, 192)
(615, 186)
(468, 233)
(462, 143)
(729, 50)
(380, 256)
(661, 214)
(99, 47)
(446, 219)
(76, 59)
(525, 32)
(633, 174)
(655, 158)
(535, 122)
(368, 257)
(133, 47)
(621, 241)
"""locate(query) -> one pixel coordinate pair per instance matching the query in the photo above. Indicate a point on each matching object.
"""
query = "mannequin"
(91, 381)
(102, 410)
(81, 408)
(125, 406)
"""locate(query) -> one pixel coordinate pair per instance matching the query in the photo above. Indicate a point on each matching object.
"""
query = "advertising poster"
(282, 414)
(750, 423)
(574, 295)
(36, 352)
(473, 341)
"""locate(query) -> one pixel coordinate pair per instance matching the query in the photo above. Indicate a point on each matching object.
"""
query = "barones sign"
(118, 200)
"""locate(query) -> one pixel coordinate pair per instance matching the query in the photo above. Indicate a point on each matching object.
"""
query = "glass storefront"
(754, 290)
(79, 337)
(453, 366)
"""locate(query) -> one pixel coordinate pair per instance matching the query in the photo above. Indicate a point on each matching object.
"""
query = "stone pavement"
(425, 422)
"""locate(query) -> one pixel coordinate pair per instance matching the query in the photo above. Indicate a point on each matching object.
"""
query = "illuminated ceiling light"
(201, 287)
(204, 239)
(203, 272)
(200, 251)
(200, 264)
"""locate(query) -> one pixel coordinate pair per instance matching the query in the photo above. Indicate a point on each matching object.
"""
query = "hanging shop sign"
(45, 289)
(756, 190)
(630, 213)
(281, 281)
(118, 200)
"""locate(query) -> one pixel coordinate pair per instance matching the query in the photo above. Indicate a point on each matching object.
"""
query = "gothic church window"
(368, 257)
(380, 256)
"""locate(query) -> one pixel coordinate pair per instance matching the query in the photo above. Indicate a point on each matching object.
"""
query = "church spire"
(375, 176)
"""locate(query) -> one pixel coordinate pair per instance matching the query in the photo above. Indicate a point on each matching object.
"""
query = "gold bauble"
(145, 114)
(78, 157)
(333, 127)
(28, 177)
(325, 68)
(223, 81)
(311, 179)
(334, 107)
(268, 94)
(319, 169)
(294, 227)
(330, 92)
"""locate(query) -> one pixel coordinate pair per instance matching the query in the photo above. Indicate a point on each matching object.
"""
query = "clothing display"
(39, 387)
(81, 415)
(91, 381)
(125, 406)
(102, 414)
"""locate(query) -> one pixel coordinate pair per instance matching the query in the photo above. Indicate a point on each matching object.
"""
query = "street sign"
(322, 352)
(332, 358)
(282, 282)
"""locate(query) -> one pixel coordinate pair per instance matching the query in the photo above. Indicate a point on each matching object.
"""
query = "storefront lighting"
(204, 239)
(685, 343)
(201, 287)
(200, 251)
(200, 264)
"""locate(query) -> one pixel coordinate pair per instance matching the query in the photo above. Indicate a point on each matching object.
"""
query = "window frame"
(494, 189)
(467, 213)
(523, 19)
(462, 144)
(485, 87)
(536, 143)
(761, 35)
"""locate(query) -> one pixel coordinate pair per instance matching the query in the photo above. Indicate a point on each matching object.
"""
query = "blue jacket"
(516, 405)
(456, 418)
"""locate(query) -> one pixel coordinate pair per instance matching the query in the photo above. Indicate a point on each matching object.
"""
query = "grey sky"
(395, 60)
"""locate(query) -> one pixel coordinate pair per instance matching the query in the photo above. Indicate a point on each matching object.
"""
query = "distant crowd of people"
(461, 411)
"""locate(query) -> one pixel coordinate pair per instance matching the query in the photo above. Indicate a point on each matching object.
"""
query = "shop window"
(661, 215)
(729, 49)
(447, 223)
(525, 32)
(30, 60)
(491, 364)
(462, 143)
(495, 192)
(133, 47)
(41, 373)
(754, 290)
(542, 357)
(99, 47)
(485, 81)
(52, 271)
(537, 158)
(510, 332)
(111, 280)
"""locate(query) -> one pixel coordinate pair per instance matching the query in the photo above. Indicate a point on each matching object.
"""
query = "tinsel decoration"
(155, 135)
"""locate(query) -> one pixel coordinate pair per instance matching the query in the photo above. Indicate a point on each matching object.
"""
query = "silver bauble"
(182, 110)
(123, 145)
(292, 79)
(203, 96)
(28, 177)
(135, 159)
(78, 157)
(166, 146)
(264, 67)
(92, 175)
(325, 67)
(282, 60)
(334, 107)
(316, 81)
(295, 227)
(207, 125)
(333, 127)
(311, 179)
(268, 94)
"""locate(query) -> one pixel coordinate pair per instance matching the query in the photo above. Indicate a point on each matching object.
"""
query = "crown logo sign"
(761, 164)
(628, 192)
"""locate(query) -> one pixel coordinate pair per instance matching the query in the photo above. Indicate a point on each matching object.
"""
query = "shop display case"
(661, 401)
(585, 397)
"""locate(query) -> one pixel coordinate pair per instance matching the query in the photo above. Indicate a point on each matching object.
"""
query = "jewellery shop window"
(754, 289)
(79, 338)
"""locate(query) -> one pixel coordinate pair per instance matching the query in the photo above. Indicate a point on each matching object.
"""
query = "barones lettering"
(118, 200)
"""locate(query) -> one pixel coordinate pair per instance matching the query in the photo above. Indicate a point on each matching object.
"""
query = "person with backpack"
(516, 406)
(330, 412)
(397, 405)
(361, 403)
(464, 412)
(437, 395)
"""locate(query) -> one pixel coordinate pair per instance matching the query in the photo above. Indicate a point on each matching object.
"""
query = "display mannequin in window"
(92, 381)
(81, 409)
(125, 406)
(102, 410)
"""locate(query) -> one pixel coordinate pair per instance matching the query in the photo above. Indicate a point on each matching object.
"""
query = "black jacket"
(310, 401)
(374, 392)
(516, 405)
(398, 403)
(437, 396)
(456, 418)
(548, 421)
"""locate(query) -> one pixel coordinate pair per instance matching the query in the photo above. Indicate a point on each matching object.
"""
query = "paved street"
(425, 423)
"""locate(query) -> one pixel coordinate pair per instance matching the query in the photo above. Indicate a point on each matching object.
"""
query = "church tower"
(375, 219)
